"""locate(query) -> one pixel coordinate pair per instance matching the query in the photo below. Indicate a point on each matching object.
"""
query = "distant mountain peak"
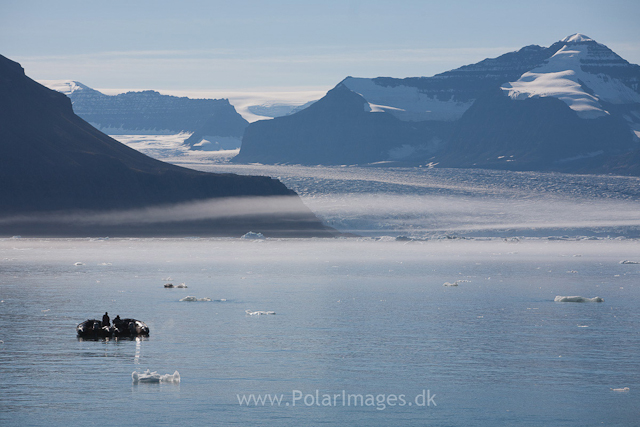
(64, 86)
(577, 38)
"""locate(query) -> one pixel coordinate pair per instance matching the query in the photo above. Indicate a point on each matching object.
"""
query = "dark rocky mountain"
(210, 121)
(572, 107)
(334, 130)
(57, 172)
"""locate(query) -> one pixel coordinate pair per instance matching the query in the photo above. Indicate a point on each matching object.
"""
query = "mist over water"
(367, 315)
(423, 202)
(217, 208)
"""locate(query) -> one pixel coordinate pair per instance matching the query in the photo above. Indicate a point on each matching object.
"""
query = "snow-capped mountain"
(582, 74)
(214, 123)
(570, 106)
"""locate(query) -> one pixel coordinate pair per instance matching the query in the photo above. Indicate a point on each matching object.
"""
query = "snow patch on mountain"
(64, 86)
(404, 102)
(562, 77)
(216, 143)
(576, 38)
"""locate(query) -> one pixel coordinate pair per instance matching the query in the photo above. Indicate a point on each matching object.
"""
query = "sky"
(245, 45)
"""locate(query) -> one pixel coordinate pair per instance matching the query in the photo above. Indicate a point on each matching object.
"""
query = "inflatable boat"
(93, 328)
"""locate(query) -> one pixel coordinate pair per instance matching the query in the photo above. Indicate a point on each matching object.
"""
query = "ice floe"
(626, 261)
(79, 263)
(171, 285)
(194, 299)
(253, 236)
(154, 377)
(456, 283)
(560, 298)
(625, 389)
(259, 313)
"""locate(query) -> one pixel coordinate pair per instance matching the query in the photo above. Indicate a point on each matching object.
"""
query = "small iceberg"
(258, 313)
(253, 236)
(560, 298)
(78, 263)
(620, 389)
(194, 299)
(171, 286)
(154, 377)
(626, 261)
(456, 283)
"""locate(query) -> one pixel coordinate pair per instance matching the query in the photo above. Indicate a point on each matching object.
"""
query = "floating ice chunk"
(259, 313)
(194, 299)
(625, 389)
(456, 283)
(181, 285)
(626, 261)
(79, 263)
(577, 299)
(253, 236)
(154, 377)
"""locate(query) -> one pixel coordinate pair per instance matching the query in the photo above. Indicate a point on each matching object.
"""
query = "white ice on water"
(253, 236)
(625, 389)
(194, 299)
(259, 313)
(560, 298)
(626, 261)
(456, 283)
(154, 377)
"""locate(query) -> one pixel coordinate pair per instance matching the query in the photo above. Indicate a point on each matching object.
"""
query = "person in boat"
(105, 319)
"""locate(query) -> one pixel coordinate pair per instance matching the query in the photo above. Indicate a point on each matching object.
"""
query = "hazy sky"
(242, 45)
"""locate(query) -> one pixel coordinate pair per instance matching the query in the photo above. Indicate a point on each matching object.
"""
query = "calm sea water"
(368, 317)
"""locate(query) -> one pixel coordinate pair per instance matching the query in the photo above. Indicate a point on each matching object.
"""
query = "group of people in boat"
(93, 328)
(107, 322)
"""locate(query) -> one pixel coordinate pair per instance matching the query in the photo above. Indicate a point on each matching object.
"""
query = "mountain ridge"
(450, 112)
(51, 160)
(149, 112)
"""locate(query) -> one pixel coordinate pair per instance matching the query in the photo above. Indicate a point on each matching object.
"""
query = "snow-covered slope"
(563, 76)
(569, 106)
(407, 103)
(67, 87)
(149, 112)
